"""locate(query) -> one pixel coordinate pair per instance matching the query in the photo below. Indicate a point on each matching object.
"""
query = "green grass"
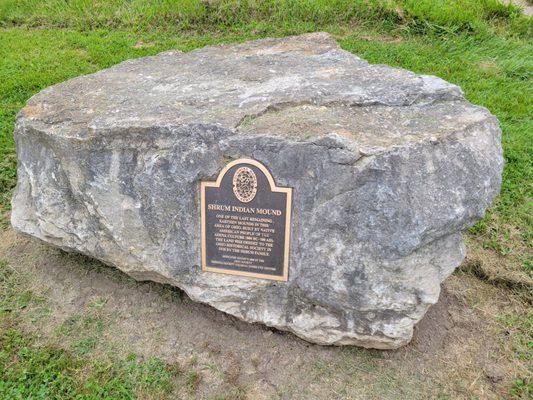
(520, 332)
(481, 45)
(422, 16)
(31, 370)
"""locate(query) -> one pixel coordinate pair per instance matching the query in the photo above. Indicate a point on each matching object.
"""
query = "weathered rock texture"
(388, 167)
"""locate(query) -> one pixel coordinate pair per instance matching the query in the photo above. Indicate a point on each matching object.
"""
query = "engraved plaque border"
(273, 188)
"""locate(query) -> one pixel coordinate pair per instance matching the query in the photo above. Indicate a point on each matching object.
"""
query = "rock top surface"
(387, 168)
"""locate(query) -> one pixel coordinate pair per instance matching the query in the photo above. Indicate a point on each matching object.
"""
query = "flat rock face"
(387, 168)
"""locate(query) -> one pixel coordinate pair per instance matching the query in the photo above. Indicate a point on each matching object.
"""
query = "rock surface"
(388, 167)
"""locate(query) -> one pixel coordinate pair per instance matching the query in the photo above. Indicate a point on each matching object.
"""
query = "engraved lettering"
(246, 223)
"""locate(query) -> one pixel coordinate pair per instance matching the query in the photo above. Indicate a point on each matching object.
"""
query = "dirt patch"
(383, 38)
(141, 44)
(490, 266)
(456, 351)
(525, 5)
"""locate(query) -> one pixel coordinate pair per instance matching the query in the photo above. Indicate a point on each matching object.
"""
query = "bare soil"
(459, 349)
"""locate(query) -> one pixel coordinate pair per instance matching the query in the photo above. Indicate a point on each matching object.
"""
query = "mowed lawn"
(483, 46)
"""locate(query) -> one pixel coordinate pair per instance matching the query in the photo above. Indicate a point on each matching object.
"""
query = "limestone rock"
(387, 167)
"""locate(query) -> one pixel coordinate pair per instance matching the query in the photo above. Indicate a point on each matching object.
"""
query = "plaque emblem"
(246, 222)
(244, 184)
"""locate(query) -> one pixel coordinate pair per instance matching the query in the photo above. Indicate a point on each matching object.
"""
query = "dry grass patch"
(476, 341)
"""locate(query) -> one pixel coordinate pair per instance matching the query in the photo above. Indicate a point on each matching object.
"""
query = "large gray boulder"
(387, 168)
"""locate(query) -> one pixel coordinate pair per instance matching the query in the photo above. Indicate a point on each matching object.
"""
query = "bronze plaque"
(246, 222)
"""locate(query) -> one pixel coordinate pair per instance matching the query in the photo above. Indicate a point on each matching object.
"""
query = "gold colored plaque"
(246, 222)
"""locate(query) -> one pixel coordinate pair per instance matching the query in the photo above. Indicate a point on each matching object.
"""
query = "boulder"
(387, 168)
